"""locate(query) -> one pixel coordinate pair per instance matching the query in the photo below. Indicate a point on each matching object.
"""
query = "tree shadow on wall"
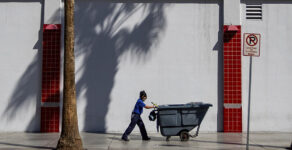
(28, 87)
(27, 90)
(101, 39)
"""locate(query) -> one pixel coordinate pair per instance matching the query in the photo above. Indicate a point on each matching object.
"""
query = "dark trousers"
(136, 119)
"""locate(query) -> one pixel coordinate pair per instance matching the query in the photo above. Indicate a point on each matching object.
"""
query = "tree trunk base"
(69, 144)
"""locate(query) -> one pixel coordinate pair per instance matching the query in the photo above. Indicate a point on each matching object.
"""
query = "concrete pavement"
(98, 141)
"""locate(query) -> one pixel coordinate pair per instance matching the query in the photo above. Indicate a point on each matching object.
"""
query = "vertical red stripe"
(50, 119)
(232, 79)
(51, 64)
(51, 76)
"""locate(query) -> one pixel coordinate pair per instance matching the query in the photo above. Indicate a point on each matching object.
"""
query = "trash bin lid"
(199, 104)
(184, 106)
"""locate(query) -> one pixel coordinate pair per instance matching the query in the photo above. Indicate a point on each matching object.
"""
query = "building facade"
(177, 51)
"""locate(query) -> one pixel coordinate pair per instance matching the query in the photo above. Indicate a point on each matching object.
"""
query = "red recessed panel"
(50, 119)
(232, 79)
(232, 120)
(51, 76)
(51, 62)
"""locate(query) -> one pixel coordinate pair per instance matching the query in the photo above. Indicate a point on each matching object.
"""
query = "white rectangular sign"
(251, 46)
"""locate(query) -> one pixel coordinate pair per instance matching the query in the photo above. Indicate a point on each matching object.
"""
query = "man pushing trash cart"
(172, 119)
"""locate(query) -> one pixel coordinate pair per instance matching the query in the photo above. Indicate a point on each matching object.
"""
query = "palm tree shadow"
(101, 39)
(28, 87)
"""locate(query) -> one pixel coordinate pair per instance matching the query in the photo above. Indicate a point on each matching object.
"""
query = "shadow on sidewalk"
(25, 146)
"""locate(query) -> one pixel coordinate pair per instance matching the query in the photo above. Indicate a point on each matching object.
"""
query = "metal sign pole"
(249, 93)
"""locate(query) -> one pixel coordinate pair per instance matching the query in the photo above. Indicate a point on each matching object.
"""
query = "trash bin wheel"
(184, 136)
(167, 138)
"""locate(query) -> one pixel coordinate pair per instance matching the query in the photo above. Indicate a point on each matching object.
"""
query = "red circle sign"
(251, 40)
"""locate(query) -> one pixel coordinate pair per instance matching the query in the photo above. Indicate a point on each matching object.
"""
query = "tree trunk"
(70, 138)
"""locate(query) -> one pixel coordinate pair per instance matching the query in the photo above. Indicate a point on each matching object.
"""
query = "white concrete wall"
(52, 9)
(272, 71)
(231, 12)
(168, 49)
(20, 63)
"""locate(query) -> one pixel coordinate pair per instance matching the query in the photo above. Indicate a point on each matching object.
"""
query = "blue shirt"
(138, 109)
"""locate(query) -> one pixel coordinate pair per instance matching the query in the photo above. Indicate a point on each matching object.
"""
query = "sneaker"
(146, 139)
(125, 139)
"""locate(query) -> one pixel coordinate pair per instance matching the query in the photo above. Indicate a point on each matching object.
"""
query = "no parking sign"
(251, 46)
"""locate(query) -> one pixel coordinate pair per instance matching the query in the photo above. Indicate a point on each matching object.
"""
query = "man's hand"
(155, 105)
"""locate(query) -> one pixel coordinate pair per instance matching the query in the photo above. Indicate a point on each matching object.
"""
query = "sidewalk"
(98, 141)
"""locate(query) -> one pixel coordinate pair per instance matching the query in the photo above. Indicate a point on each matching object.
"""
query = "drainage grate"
(254, 12)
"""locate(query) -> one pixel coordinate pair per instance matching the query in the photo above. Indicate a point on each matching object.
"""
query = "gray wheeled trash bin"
(179, 119)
